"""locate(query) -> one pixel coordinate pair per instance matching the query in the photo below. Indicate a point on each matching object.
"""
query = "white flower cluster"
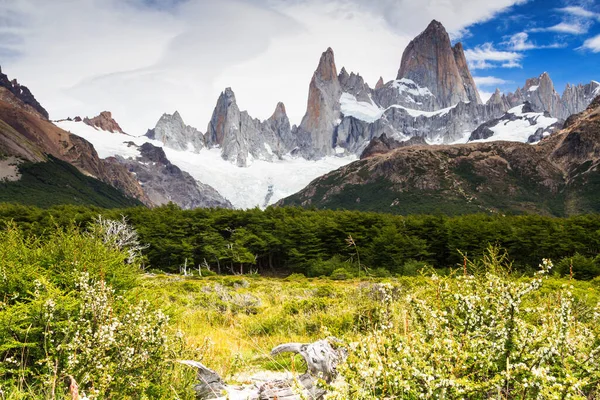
(108, 349)
(483, 336)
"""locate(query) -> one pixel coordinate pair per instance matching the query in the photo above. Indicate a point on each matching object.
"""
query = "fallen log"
(322, 358)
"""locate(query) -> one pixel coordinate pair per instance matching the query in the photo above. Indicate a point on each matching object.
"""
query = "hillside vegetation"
(280, 241)
(56, 182)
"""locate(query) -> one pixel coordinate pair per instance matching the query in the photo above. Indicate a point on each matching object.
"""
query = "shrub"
(341, 274)
(325, 267)
(584, 268)
(479, 336)
(62, 317)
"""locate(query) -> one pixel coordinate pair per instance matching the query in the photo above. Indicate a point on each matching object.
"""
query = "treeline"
(315, 242)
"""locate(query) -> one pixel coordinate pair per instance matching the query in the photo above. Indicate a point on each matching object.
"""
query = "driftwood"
(322, 358)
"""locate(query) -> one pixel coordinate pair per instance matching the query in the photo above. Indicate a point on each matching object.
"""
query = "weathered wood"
(322, 358)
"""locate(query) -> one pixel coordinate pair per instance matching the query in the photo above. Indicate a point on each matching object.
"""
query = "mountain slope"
(29, 138)
(559, 176)
(54, 182)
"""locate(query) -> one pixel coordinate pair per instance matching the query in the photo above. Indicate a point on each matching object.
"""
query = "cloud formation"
(140, 58)
(592, 44)
(486, 56)
(520, 42)
(489, 81)
(572, 28)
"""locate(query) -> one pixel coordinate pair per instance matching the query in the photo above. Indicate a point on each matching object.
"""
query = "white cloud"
(84, 56)
(579, 12)
(486, 56)
(592, 44)
(411, 16)
(572, 28)
(489, 81)
(520, 42)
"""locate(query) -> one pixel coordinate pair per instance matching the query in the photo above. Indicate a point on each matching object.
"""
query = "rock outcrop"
(540, 92)
(164, 182)
(430, 61)
(243, 138)
(22, 94)
(383, 144)
(315, 133)
(175, 134)
(105, 122)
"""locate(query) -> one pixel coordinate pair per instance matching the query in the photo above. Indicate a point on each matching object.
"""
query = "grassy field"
(76, 305)
(236, 320)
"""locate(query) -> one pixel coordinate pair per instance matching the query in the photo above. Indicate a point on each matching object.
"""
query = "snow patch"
(596, 91)
(370, 113)
(534, 88)
(428, 114)
(243, 187)
(361, 110)
(409, 86)
(269, 149)
(521, 129)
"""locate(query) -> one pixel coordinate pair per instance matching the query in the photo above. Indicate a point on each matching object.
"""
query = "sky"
(142, 58)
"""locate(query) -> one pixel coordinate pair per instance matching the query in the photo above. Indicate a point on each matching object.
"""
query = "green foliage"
(480, 336)
(581, 267)
(63, 316)
(281, 241)
(57, 182)
(341, 274)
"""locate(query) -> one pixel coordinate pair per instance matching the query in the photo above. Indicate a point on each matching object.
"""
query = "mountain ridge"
(559, 176)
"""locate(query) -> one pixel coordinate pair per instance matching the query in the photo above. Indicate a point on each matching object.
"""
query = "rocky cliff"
(315, 133)
(105, 122)
(430, 61)
(174, 133)
(20, 96)
(243, 138)
(164, 182)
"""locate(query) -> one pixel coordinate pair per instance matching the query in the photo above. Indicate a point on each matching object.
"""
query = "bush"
(584, 268)
(413, 268)
(482, 336)
(63, 317)
(325, 267)
(341, 274)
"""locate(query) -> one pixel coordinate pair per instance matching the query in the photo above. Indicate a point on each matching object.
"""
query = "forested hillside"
(279, 241)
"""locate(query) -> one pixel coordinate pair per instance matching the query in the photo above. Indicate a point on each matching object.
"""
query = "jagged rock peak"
(379, 83)
(104, 121)
(315, 133)
(23, 94)
(431, 62)
(327, 71)
(216, 131)
(175, 134)
(279, 112)
(463, 68)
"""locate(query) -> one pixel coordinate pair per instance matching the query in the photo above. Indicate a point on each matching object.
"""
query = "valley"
(419, 220)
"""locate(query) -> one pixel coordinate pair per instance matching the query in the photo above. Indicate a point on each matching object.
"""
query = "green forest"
(281, 241)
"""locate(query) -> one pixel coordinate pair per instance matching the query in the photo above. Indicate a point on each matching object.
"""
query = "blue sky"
(142, 58)
(546, 35)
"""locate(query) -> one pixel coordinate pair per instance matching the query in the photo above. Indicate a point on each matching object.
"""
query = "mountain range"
(244, 162)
